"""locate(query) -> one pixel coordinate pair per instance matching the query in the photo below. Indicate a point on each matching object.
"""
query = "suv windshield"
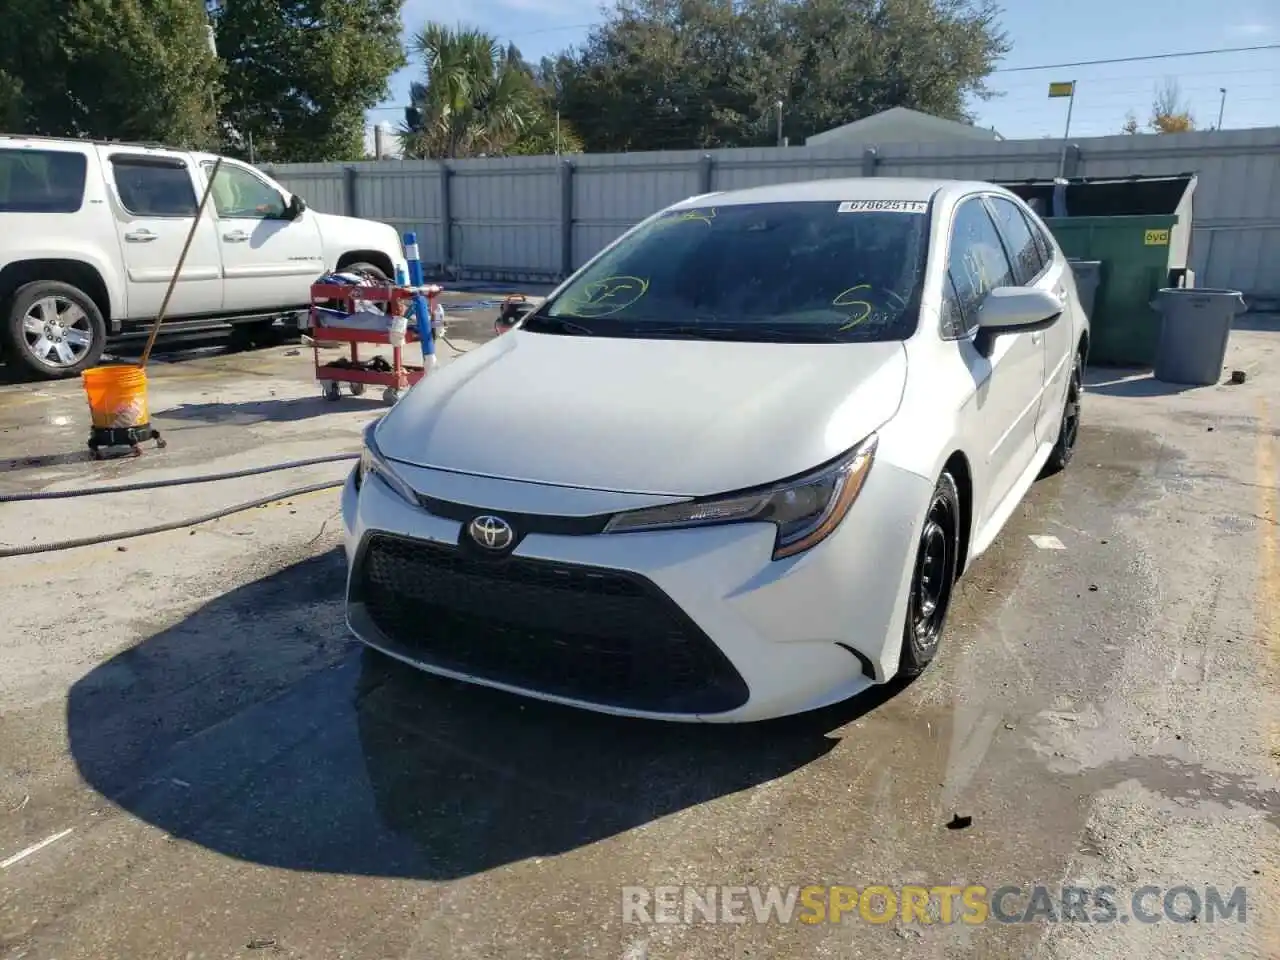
(786, 272)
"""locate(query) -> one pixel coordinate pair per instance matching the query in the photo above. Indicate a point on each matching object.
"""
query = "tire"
(54, 330)
(1069, 431)
(368, 269)
(933, 579)
(361, 267)
(255, 333)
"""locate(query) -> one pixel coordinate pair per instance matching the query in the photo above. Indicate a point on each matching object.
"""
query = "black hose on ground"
(166, 527)
(176, 481)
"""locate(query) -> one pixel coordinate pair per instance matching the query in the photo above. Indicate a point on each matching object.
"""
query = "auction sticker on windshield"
(884, 206)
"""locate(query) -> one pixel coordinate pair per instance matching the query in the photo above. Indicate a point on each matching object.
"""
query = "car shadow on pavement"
(1130, 383)
(257, 729)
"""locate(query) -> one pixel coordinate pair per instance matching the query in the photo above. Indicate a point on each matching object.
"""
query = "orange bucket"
(117, 396)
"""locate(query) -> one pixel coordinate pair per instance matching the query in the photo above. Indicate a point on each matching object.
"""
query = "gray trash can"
(1088, 278)
(1194, 328)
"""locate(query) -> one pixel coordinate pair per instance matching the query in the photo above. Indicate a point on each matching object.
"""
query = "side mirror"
(1017, 310)
(296, 206)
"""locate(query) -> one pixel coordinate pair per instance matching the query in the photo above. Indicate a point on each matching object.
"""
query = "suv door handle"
(235, 236)
(140, 236)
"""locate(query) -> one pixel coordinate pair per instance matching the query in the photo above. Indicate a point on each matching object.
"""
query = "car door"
(154, 203)
(1036, 265)
(269, 258)
(1009, 375)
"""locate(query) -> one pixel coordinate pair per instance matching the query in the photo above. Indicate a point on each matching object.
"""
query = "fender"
(67, 247)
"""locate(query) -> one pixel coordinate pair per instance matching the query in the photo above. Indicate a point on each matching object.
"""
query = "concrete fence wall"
(539, 218)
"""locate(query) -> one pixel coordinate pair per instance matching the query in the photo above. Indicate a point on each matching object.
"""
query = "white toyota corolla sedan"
(732, 468)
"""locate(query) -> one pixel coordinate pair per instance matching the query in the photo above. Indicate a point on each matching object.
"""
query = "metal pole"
(780, 143)
(1222, 105)
(251, 160)
(377, 141)
(557, 133)
(1066, 134)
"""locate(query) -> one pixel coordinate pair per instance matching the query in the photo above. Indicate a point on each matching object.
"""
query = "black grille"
(596, 635)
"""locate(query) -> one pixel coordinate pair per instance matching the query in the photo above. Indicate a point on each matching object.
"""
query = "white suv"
(90, 234)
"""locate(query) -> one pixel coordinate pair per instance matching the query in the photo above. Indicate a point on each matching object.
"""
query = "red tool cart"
(336, 317)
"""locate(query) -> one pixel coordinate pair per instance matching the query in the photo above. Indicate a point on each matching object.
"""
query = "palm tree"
(477, 97)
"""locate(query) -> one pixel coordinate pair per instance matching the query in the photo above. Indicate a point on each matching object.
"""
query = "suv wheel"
(54, 329)
(366, 269)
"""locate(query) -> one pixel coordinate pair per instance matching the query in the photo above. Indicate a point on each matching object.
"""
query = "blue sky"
(1041, 33)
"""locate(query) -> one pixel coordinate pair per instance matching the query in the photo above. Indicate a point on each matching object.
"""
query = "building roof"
(901, 124)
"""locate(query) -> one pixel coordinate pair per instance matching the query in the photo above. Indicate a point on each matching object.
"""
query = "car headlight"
(805, 510)
(373, 464)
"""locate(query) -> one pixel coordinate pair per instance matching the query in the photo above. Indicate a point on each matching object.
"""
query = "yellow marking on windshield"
(607, 296)
(846, 298)
(685, 216)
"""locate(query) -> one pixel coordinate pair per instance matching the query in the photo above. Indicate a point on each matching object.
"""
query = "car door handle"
(140, 236)
(235, 236)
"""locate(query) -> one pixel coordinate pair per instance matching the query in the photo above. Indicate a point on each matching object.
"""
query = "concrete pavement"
(239, 780)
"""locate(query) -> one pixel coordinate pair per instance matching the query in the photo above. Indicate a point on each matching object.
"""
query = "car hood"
(663, 417)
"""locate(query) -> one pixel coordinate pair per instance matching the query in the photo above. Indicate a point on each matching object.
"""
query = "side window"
(238, 194)
(953, 325)
(41, 181)
(976, 263)
(150, 188)
(1042, 241)
(1023, 250)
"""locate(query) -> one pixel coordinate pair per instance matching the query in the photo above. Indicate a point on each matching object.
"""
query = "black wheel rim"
(1071, 412)
(934, 575)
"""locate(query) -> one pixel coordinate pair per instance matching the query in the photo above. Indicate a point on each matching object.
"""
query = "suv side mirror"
(296, 206)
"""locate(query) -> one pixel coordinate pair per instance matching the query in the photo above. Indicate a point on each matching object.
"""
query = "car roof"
(840, 190)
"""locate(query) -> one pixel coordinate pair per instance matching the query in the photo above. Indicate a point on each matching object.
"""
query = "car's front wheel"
(933, 578)
(54, 329)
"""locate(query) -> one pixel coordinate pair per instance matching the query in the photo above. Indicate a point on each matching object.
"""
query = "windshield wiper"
(543, 324)
(742, 334)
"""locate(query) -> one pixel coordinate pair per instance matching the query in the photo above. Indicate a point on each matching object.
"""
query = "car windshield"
(785, 272)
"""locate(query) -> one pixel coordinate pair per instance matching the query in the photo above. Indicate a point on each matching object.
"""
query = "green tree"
(476, 97)
(302, 73)
(703, 73)
(120, 69)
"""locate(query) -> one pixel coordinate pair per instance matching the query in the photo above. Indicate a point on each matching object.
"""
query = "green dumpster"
(1139, 228)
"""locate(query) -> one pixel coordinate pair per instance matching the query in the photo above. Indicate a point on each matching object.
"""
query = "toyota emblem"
(492, 533)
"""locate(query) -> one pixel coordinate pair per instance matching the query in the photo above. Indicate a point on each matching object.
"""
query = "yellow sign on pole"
(1065, 89)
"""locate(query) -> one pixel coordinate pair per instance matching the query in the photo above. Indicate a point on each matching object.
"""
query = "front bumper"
(697, 624)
